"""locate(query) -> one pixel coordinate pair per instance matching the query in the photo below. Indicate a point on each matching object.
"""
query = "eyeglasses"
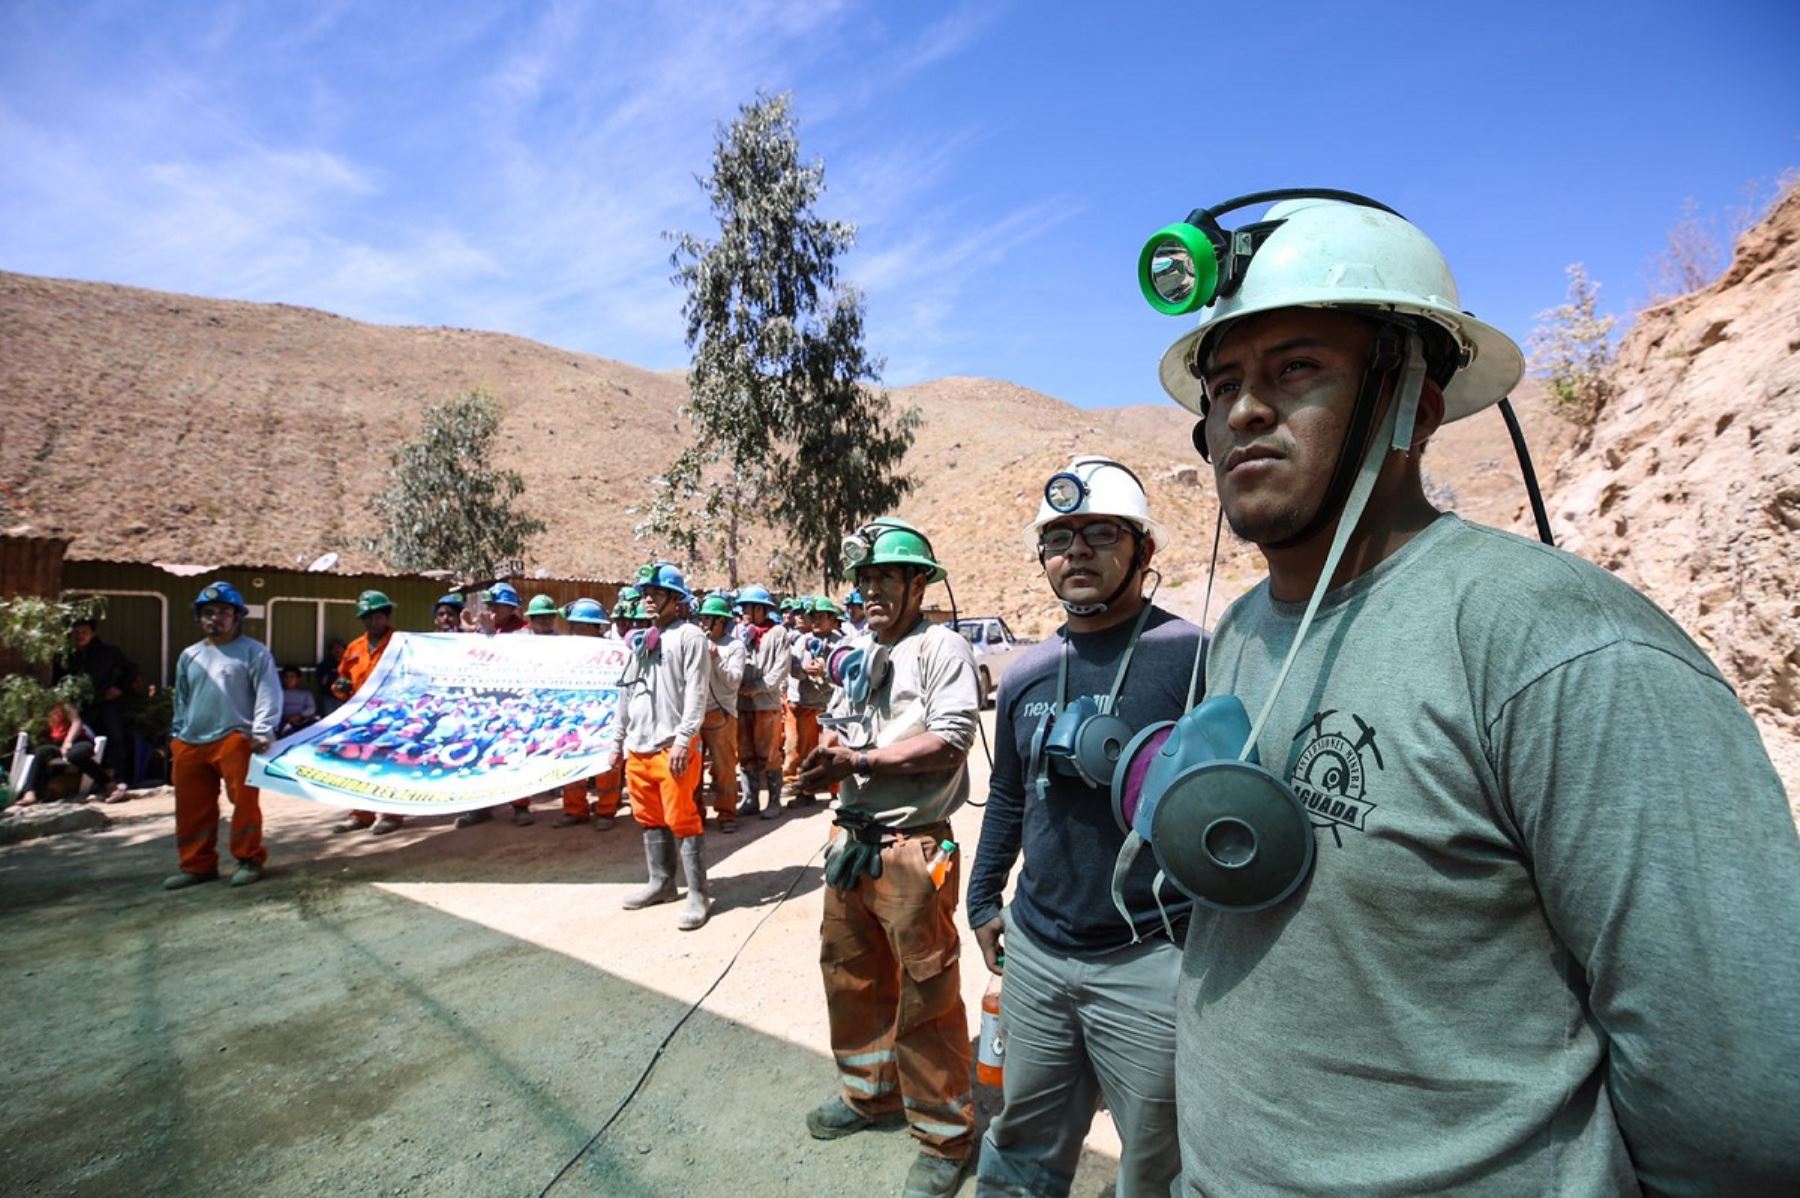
(1099, 535)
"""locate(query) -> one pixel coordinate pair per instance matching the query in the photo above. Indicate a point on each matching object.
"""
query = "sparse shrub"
(1572, 350)
(446, 506)
(37, 632)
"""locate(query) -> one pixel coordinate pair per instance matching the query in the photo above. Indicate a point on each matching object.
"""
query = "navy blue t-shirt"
(1070, 838)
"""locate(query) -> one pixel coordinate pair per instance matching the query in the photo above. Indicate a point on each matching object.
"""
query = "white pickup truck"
(995, 649)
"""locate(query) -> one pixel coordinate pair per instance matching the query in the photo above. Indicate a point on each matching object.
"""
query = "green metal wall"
(137, 624)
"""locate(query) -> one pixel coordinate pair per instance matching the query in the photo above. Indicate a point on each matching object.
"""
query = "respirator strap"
(1156, 893)
(1121, 867)
(1387, 438)
(1205, 608)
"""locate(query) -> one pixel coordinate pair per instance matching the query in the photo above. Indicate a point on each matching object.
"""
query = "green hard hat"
(542, 605)
(823, 606)
(630, 595)
(372, 601)
(638, 612)
(622, 609)
(715, 605)
(890, 542)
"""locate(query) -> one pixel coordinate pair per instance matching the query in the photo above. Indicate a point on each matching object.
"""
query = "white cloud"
(490, 175)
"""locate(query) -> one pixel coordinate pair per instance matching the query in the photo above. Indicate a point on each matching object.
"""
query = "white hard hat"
(1101, 487)
(1331, 254)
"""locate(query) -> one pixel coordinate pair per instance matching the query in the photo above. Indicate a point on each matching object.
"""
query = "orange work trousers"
(759, 740)
(893, 990)
(197, 771)
(660, 799)
(719, 732)
(609, 788)
(575, 798)
(803, 738)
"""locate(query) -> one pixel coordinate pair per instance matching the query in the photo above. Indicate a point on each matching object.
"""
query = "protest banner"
(451, 722)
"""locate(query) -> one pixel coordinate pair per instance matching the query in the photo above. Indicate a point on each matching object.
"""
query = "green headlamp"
(1187, 265)
(1178, 269)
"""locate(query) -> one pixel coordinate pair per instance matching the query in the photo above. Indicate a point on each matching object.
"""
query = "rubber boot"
(659, 854)
(772, 783)
(693, 871)
(748, 784)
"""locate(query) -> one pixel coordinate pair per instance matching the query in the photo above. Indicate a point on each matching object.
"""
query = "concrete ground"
(435, 1012)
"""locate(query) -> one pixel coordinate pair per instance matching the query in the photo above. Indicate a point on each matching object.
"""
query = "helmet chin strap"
(1386, 358)
(1395, 434)
(1094, 609)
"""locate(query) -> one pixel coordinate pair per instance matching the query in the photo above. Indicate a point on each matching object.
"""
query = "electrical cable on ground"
(685, 1015)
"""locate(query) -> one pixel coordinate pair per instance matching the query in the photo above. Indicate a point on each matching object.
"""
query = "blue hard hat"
(855, 597)
(453, 599)
(666, 576)
(586, 611)
(755, 593)
(502, 592)
(221, 592)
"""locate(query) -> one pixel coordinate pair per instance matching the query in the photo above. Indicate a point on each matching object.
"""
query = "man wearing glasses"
(1088, 1006)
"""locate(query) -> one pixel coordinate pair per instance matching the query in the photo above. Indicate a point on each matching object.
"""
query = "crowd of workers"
(1495, 895)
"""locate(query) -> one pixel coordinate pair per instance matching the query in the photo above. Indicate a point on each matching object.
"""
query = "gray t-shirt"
(1549, 944)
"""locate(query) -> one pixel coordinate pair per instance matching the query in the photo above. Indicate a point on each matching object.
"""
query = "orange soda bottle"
(938, 864)
(990, 1054)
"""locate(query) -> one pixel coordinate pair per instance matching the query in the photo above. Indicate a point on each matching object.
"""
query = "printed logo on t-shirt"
(1329, 773)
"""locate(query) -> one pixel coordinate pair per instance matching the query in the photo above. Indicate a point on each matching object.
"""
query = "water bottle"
(990, 1054)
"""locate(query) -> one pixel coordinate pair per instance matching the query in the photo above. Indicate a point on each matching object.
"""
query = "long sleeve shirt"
(927, 684)
(666, 693)
(727, 675)
(808, 690)
(1069, 837)
(222, 689)
(765, 671)
(358, 663)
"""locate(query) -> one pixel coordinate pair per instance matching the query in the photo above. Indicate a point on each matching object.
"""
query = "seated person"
(73, 741)
(298, 707)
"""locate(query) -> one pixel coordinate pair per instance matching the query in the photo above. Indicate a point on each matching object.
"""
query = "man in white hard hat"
(1088, 1006)
(1543, 935)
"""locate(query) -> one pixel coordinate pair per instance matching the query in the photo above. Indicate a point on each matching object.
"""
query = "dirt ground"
(435, 1012)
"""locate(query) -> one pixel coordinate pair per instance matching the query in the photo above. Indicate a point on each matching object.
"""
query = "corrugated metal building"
(149, 605)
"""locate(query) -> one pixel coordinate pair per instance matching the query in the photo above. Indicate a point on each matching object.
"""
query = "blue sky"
(512, 167)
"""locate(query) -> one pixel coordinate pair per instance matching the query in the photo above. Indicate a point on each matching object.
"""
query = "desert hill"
(151, 426)
(1689, 485)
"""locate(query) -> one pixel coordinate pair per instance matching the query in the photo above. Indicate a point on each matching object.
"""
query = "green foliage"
(784, 427)
(36, 630)
(446, 506)
(1572, 350)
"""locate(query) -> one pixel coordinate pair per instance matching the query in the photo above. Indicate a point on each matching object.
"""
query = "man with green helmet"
(1530, 937)
(376, 611)
(719, 730)
(889, 946)
(760, 739)
(541, 615)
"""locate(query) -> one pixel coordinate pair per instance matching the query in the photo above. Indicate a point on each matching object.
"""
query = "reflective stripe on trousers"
(899, 1030)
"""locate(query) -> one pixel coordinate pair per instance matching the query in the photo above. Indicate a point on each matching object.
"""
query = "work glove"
(848, 859)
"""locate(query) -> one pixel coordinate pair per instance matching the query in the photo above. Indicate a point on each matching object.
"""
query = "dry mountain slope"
(1689, 486)
(228, 431)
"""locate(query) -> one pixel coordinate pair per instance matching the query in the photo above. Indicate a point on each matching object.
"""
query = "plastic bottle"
(990, 1054)
(938, 864)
